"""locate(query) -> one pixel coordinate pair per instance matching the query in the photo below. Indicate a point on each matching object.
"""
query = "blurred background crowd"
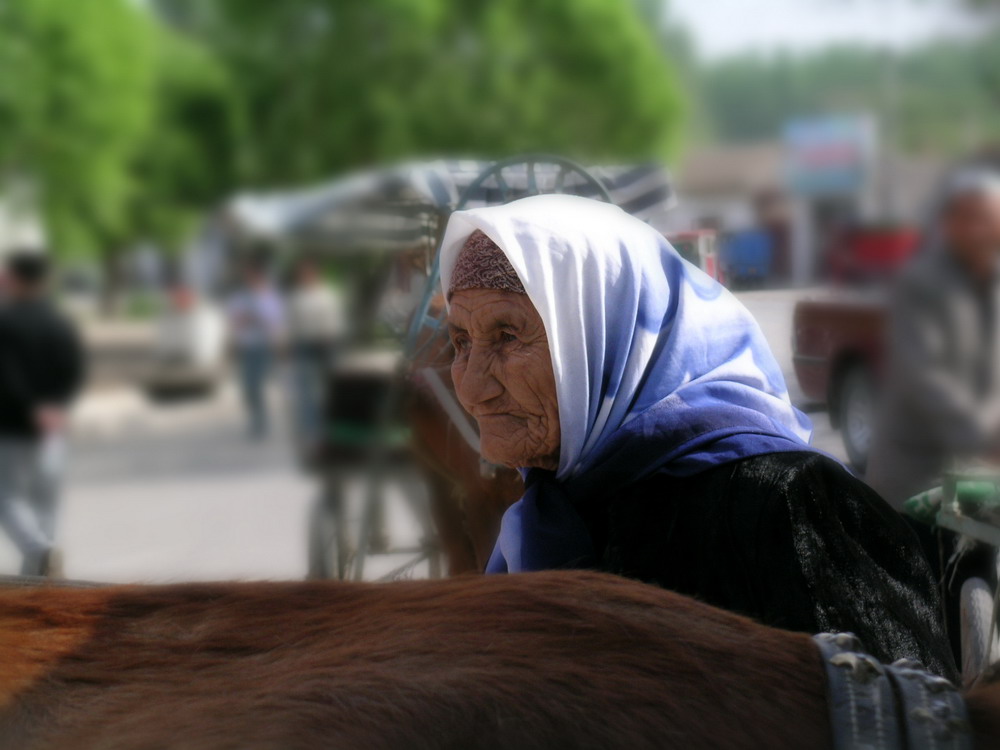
(220, 202)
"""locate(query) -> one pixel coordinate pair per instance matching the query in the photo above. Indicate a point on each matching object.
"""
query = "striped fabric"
(404, 207)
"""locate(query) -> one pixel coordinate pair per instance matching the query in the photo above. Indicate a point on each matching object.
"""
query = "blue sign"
(828, 155)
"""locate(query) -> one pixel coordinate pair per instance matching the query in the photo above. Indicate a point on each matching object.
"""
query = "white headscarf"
(642, 343)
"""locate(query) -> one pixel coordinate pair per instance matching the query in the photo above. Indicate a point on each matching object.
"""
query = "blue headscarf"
(658, 368)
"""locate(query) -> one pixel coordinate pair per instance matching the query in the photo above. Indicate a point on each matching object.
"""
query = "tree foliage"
(71, 116)
(187, 159)
(946, 92)
(123, 128)
(131, 118)
(328, 85)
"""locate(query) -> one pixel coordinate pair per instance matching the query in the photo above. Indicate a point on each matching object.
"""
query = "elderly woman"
(655, 433)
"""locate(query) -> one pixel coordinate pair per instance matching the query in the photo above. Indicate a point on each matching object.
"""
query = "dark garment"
(41, 364)
(985, 298)
(944, 369)
(790, 539)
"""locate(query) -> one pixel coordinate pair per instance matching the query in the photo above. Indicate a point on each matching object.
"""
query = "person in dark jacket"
(940, 408)
(41, 371)
(943, 368)
(655, 433)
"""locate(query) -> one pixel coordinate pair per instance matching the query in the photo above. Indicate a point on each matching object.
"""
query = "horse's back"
(539, 660)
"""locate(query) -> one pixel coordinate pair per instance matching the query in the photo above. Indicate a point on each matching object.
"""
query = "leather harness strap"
(899, 706)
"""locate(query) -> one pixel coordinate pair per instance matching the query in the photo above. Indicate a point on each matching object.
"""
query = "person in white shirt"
(257, 321)
(317, 327)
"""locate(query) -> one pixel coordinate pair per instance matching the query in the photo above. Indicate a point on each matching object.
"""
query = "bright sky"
(722, 27)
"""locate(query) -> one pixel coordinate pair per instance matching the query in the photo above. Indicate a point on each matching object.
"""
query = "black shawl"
(790, 539)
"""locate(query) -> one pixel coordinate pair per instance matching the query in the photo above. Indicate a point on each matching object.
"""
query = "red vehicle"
(838, 344)
(871, 253)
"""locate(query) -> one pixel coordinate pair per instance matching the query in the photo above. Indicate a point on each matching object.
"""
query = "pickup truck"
(838, 347)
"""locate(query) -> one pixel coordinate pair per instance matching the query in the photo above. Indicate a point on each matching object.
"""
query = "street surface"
(169, 493)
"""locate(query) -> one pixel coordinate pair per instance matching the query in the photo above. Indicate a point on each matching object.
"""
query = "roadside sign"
(829, 156)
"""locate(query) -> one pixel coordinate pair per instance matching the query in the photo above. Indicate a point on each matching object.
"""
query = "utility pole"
(887, 139)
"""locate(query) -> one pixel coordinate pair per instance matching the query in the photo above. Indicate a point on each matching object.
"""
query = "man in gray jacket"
(941, 399)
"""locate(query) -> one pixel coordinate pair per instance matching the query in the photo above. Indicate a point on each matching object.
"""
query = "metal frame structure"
(398, 208)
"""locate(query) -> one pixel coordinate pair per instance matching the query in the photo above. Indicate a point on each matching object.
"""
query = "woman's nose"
(478, 384)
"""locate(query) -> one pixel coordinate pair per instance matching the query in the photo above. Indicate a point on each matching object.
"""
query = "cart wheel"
(328, 550)
(979, 645)
(502, 182)
(856, 402)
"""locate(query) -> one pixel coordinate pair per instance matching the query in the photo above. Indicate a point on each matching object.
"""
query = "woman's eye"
(461, 344)
(507, 337)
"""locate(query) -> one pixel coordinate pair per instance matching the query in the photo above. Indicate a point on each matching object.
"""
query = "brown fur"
(40, 638)
(545, 660)
(983, 702)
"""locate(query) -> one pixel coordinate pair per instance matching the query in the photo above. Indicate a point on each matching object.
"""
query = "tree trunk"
(114, 282)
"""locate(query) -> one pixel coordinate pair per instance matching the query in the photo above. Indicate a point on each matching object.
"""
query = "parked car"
(188, 348)
(838, 348)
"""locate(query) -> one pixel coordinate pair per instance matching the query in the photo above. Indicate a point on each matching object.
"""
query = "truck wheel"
(856, 410)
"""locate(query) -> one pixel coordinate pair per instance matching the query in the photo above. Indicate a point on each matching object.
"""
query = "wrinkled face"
(972, 230)
(503, 376)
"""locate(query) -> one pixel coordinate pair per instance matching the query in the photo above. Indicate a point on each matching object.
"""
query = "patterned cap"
(481, 264)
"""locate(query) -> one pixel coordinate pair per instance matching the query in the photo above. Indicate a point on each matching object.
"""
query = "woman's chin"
(499, 453)
(514, 461)
(498, 457)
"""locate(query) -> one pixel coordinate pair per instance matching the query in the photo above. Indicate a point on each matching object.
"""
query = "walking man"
(256, 317)
(41, 372)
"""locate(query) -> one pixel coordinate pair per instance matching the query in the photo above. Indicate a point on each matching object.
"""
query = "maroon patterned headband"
(481, 264)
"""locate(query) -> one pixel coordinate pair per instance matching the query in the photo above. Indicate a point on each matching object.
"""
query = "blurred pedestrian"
(257, 320)
(941, 400)
(317, 329)
(41, 371)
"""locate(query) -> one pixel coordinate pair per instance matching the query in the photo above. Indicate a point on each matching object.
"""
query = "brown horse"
(543, 660)
(468, 497)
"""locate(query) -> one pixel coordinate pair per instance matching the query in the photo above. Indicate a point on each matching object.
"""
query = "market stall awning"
(401, 207)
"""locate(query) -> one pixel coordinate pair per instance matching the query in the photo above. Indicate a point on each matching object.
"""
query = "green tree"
(187, 159)
(73, 109)
(130, 127)
(944, 101)
(329, 85)
(125, 129)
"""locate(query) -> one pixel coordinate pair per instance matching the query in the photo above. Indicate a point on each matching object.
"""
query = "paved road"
(177, 493)
(158, 494)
